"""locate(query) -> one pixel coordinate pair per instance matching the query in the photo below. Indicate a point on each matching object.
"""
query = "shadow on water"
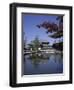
(43, 63)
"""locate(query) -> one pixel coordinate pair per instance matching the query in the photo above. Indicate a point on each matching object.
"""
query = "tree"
(54, 28)
(35, 44)
(50, 27)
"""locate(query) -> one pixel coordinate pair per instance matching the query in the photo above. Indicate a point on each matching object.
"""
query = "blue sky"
(31, 30)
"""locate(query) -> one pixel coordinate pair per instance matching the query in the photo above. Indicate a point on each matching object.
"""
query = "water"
(42, 63)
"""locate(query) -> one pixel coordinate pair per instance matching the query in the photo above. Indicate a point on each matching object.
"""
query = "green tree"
(35, 44)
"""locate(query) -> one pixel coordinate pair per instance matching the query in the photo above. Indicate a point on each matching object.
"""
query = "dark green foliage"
(58, 46)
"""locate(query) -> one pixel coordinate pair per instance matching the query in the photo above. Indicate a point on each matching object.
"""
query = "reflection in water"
(36, 59)
(42, 63)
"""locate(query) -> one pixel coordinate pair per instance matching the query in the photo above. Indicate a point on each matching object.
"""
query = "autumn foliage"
(56, 29)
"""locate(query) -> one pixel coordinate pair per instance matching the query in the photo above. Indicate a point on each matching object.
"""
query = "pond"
(42, 63)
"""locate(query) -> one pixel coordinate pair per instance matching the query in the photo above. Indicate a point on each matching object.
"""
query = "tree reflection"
(43, 58)
(40, 62)
(38, 58)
